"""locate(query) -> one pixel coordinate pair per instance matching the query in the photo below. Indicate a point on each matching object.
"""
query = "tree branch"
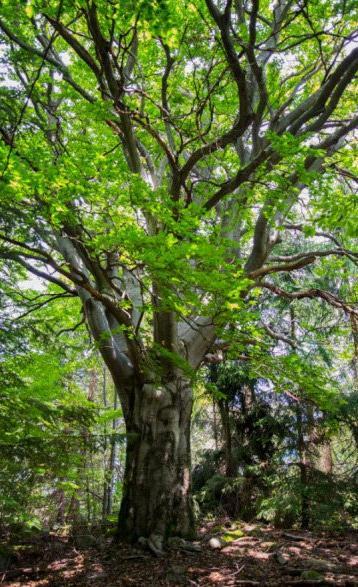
(282, 267)
(311, 294)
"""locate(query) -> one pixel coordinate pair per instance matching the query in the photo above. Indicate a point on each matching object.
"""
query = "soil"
(261, 556)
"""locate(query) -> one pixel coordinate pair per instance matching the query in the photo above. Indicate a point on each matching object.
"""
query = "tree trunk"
(225, 420)
(156, 491)
(325, 463)
(61, 507)
(110, 470)
(215, 426)
(303, 465)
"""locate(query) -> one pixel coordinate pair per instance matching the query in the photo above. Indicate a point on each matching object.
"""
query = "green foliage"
(40, 415)
(50, 430)
(283, 506)
(332, 501)
(278, 469)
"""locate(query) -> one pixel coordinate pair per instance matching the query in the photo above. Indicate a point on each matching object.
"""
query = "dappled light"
(249, 560)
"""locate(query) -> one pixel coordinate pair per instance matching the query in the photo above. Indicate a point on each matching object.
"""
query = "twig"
(297, 537)
(133, 556)
(238, 570)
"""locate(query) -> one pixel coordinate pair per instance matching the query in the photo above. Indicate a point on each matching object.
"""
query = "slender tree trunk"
(109, 472)
(88, 498)
(112, 464)
(215, 426)
(105, 482)
(61, 508)
(73, 514)
(156, 492)
(305, 505)
(303, 465)
(354, 325)
(225, 420)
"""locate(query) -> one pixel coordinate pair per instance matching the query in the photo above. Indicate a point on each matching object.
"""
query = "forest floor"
(253, 554)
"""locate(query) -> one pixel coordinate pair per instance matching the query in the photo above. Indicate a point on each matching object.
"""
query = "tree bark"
(325, 463)
(225, 421)
(109, 473)
(156, 499)
(303, 466)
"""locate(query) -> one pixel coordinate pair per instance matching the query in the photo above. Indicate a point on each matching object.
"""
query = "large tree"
(154, 154)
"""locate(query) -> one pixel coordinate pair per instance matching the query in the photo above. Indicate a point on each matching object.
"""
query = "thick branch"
(282, 267)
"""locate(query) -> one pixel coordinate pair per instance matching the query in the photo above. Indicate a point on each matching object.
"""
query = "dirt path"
(262, 556)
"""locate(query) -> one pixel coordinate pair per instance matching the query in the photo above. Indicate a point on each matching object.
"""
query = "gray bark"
(156, 494)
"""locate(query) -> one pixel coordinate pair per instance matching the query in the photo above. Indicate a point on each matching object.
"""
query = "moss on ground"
(232, 535)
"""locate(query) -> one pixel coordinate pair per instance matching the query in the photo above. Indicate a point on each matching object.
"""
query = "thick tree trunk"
(156, 492)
